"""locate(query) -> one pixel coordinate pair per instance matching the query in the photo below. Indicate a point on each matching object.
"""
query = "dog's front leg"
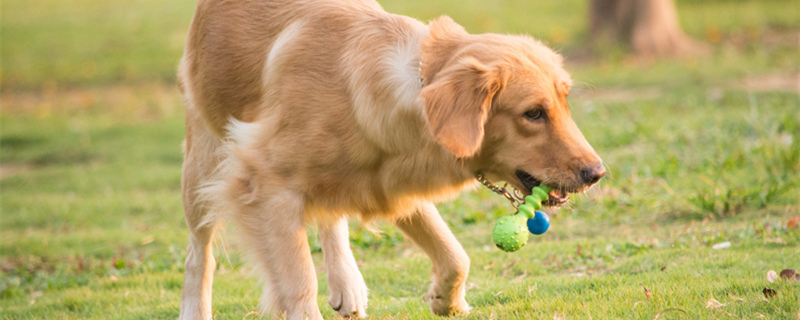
(346, 285)
(272, 226)
(450, 262)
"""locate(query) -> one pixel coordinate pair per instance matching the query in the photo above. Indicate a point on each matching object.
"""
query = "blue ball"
(539, 224)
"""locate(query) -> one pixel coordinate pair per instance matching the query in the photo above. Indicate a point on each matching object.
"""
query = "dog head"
(500, 103)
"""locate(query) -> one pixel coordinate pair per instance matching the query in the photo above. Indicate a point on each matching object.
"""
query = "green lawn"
(699, 150)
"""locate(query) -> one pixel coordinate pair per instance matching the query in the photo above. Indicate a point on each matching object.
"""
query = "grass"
(700, 151)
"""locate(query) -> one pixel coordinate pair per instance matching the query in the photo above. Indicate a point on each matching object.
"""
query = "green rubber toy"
(510, 233)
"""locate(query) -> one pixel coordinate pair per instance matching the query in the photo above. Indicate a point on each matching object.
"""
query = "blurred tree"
(649, 27)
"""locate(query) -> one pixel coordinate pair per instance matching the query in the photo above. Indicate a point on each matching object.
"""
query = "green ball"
(510, 233)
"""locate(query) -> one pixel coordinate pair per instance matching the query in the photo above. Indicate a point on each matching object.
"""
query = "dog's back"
(225, 61)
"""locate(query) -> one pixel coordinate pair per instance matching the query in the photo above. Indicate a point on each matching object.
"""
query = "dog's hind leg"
(200, 161)
(450, 262)
(347, 287)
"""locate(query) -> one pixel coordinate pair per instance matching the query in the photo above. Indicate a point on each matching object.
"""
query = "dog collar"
(514, 196)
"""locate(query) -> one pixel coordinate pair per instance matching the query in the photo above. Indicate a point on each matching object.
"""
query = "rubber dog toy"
(510, 233)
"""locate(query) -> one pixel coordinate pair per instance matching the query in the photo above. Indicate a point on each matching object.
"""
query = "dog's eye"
(534, 114)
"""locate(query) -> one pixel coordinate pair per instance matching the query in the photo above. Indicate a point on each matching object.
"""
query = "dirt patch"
(129, 101)
(768, 39)
(773, 82)
(8, 170)
(619, 95)
(783, 82)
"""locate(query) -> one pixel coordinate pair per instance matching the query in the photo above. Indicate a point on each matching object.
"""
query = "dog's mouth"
(557, 198)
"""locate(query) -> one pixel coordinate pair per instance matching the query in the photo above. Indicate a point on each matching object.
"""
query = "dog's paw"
(447, 307)
(348, 292)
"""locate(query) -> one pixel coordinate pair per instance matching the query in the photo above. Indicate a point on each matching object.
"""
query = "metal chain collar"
(512, 195)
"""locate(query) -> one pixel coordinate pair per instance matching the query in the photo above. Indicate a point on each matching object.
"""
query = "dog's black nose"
(592, 174)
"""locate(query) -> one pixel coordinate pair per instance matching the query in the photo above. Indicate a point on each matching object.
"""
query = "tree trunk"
(648, 27)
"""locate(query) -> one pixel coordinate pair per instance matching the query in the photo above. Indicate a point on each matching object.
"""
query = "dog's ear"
(457, 104)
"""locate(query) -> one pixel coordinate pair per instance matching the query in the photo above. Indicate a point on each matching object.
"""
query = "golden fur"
(311, 111)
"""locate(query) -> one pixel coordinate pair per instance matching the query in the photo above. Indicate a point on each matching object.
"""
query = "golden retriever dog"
(310, 111)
